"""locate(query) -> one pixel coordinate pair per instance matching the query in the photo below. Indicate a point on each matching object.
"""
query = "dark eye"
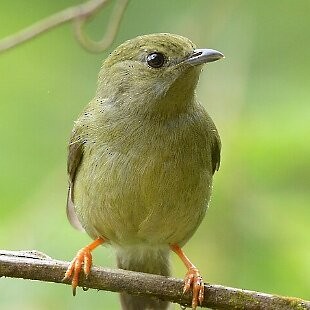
(155, 60)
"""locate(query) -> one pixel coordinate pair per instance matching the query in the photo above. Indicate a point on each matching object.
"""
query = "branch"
(38, 266)
(80, 14)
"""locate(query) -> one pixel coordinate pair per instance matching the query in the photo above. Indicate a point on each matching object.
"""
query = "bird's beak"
(202, 56)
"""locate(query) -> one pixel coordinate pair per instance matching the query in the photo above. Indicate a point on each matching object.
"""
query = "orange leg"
(192, 277)
(83, 256)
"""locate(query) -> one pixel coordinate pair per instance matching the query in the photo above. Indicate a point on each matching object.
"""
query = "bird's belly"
(129, 200)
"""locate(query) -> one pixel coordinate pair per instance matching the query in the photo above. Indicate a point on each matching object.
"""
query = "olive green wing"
(75, 157)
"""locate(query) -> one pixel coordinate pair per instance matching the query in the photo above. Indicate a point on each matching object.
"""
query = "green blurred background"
(257, 231)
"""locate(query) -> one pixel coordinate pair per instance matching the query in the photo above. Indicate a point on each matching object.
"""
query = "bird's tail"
(148, 260)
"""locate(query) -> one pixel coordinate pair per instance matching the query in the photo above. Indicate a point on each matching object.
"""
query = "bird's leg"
(83, 257)
(192, 278)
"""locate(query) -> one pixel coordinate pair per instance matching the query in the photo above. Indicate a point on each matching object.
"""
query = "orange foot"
(83, 257)
(192, 278)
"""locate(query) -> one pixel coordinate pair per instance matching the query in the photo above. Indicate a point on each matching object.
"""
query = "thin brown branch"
(79, 14)
(38, 266)
(112, 28)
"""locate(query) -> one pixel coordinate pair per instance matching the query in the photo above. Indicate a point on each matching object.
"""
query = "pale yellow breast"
(151, 183)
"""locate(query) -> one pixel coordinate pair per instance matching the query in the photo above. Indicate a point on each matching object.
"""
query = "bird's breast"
(148, 184)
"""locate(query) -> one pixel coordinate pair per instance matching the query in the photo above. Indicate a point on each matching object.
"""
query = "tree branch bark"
(79, 14)
(38, 266)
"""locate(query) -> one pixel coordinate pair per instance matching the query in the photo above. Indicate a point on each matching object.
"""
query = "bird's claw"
(193, 279)
(82, 258)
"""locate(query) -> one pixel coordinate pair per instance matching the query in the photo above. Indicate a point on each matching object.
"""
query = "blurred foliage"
(257, 232)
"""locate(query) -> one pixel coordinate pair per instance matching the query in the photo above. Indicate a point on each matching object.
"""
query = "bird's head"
(153, 69)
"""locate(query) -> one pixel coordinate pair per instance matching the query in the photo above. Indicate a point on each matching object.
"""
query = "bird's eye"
(155, 60)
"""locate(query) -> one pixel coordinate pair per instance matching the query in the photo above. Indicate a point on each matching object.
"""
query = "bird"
(142, 155)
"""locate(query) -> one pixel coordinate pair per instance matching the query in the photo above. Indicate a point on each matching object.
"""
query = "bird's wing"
(74, 160)
(215, 151)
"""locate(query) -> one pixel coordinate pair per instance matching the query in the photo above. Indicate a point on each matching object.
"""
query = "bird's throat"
(179, 97)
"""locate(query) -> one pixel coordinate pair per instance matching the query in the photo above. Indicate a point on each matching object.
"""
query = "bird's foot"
(194, 280)
(83, 259)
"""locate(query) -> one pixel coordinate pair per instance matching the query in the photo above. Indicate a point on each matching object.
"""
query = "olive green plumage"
(142, 154)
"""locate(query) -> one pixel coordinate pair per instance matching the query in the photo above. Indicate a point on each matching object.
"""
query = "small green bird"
(141, 160)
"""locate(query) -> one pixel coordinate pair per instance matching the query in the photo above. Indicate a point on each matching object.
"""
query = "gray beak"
(202, 56)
